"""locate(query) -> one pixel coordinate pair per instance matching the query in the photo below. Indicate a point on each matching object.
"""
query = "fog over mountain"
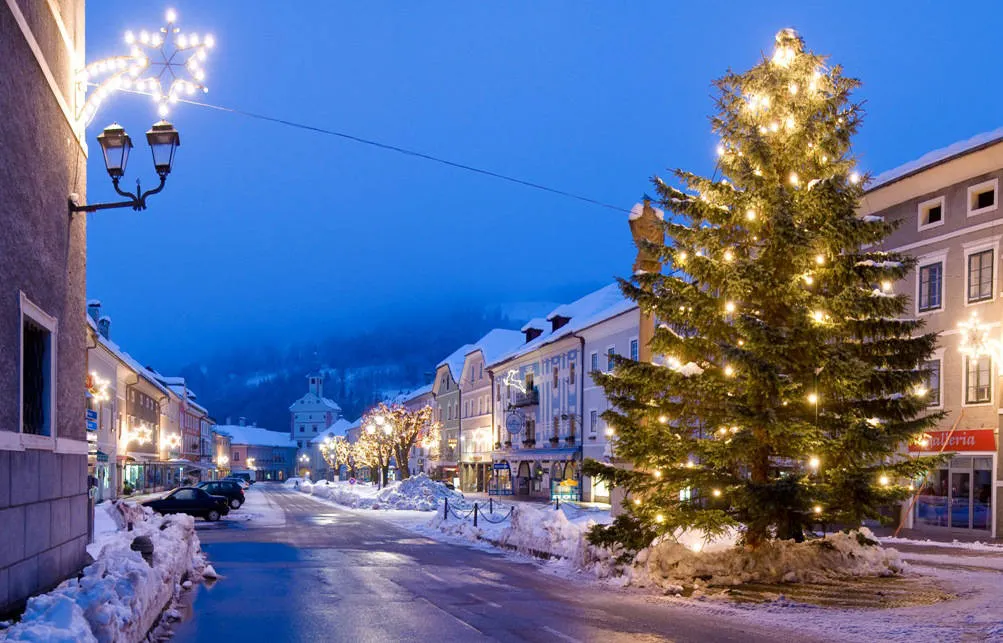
(259, 380)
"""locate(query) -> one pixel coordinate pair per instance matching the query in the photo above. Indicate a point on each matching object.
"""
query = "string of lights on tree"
(165, 64)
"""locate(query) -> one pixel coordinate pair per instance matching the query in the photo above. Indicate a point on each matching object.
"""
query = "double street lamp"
(115, 144)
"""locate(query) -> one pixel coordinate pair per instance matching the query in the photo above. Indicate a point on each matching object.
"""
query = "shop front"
(959, 495)
(539, 473)
(150, 476)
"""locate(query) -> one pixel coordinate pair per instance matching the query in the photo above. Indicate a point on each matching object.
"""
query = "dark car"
(191, 501)
(229, 489)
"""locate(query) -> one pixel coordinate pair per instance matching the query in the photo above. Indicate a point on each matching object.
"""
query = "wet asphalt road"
(332, 574)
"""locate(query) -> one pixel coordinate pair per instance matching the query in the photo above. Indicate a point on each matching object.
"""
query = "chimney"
(242, 421)
(94, 308)
(104, 326)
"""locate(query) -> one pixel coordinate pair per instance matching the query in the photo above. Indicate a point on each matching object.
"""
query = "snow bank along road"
(331, 574)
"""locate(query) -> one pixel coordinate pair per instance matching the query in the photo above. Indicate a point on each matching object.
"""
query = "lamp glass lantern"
(115, 145)
(163, 140)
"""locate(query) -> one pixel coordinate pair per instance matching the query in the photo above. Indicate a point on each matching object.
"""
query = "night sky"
(267, 233)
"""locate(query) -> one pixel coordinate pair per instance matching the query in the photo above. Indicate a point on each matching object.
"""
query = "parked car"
(229, 489)
(245, 477)
(192, 501)
(243, 482)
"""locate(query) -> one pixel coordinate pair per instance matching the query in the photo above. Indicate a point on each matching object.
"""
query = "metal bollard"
(475, 514)
(445, 508)
(144, 545)
(491, 505)
(557, 502)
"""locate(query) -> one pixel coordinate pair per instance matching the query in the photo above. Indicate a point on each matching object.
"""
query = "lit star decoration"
(164, 65)
(975, 340)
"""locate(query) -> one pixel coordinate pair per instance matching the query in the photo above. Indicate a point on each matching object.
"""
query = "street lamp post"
(115, 146)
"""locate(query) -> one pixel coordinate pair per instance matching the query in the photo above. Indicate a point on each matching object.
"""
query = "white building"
(542, 416)
(316, 465)
(477, 439)
(311, 414)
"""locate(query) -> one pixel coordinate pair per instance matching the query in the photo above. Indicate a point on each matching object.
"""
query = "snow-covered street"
(329, 572)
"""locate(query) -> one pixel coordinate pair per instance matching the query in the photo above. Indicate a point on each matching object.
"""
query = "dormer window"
(532, 333)
(931, 213)
(982, 197)
(558, 321)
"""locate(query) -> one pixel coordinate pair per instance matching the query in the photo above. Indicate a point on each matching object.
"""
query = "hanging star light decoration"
(975, 340)
(164, 65)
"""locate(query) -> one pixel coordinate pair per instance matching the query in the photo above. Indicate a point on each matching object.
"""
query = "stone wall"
(43, 501)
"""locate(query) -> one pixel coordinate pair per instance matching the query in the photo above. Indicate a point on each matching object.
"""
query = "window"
(37, 370)
(982, 197)
(931, 286)
(449, 412)
(633, 349)
(480, 372)
(593, 421)
(302, 428)
(595, 362)
(978, 386)
(184, 494)
(931, 213)
(236, 456)
(557, 425)
(529, 381)
(499, 392)
(980, 276)
(571, 426)
(610, 352)
(571, 373)
(557, 376)
(933, 381)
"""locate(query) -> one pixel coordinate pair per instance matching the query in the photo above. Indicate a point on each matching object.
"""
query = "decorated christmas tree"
(788, 376)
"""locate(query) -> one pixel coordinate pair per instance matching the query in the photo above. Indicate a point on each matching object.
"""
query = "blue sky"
(265, 233)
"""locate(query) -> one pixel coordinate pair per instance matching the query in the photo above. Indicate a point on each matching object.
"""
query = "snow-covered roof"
(595, 307)
(413, 394)
(127, 359)
(935, 157)
(255, 436)
(335, 430)
(455, 361)
(498, 342)
(325, 401)
(537, 322)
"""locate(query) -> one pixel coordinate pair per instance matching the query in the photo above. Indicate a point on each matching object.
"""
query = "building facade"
(102, 410)
(539, 395)
(43, 441)
(477, 434)
(260, 453)
(447, 397)
(420, 457)
(312, 413)
(946, 206)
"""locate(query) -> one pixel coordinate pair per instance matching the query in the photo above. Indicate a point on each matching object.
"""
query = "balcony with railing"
(529, 398)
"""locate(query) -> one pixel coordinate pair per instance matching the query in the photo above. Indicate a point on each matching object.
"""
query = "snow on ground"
(259, 509)
(533, 529)
(120, 596)
(417, 493)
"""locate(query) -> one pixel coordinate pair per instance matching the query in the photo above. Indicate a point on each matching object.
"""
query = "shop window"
(978, 382)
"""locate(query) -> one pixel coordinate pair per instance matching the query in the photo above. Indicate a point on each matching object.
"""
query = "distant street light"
(115, 145)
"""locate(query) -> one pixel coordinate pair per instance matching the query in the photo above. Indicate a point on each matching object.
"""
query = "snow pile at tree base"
(419, 492)
(120, 596)
(675, 566)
